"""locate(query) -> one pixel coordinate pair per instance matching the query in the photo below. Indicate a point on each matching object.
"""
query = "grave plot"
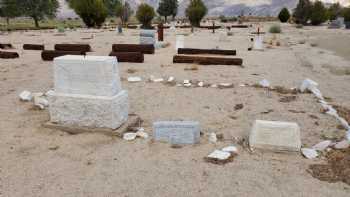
(142, 48)
(39, 47)
(73, 47)
(6, 46)
(135, 57)
(49, 55)
(206, 51)
(202, 60)
(8, 55)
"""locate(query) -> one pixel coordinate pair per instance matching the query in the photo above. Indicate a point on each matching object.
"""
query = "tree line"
(94, 12)
(314, 13)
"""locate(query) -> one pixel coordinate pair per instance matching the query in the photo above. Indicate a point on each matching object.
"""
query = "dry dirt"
(36, 161)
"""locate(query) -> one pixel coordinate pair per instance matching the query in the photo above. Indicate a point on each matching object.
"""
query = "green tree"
(318, 13)
(195, 12)
(284, 15)
(334, 11)
(9, 9)
(93, 12)
(302, 12)
(123, 11)
(346, 14)
(38, 9)
(167, 8)
(111, 5)
(145, 14)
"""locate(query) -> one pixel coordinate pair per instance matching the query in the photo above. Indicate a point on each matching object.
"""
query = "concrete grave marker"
(180, 42)
(147, 37)
(177, 132)
(275, 136)
(88, 92)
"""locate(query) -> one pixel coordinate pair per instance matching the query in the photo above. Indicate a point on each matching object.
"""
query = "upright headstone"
(177, 132)
(180, 42)
(87, 92)
(120, 29)
(147, 36)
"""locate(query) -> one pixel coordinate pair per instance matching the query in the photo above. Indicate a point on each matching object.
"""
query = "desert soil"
(36, 161)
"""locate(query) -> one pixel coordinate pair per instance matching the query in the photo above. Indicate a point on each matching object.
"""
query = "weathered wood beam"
(135, 57)
(49, 55)
(202, 60)
(206, 51)
(142, 48)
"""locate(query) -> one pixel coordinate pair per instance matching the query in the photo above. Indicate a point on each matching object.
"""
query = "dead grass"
(337, 168)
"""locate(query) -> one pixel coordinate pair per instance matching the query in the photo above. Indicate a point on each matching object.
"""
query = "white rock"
(158, 80)
(41, 102)
(141, 133)
(200, 84)
(213, 138)
(171, 79)
(309, 153)
(50, 92)
(187, 84)
(25, 96)
(134, 79)
(213, 86)
(187, 81)
(308, 84)
(129, 136)
(230, 149)
(342, 144)
(37, 94)
(264, 83)
(219, 155)
(322, 145)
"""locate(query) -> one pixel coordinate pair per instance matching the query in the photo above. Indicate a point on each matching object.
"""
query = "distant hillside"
(219, 7)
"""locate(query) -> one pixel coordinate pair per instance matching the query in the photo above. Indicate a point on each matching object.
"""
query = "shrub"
(318, 13)
(93, 12)
(195, 12)
(346, 14)
(145, 14)
(284, 15)
(302, 12)
(275, 29)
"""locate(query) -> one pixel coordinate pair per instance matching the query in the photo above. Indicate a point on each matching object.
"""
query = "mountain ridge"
(218, 7)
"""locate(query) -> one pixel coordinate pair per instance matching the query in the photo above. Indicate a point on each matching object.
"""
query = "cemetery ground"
(37, 161)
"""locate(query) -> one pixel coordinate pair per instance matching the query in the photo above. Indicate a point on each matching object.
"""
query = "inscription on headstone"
(177, 132)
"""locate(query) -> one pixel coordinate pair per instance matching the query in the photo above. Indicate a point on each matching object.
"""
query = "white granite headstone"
(88, 92)
(258, 43)
(180, 42)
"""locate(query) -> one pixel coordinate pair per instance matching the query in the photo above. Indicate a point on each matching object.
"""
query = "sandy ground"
(98, 165)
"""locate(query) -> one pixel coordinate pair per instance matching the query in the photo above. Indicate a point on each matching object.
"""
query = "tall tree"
(318, 13)
(284, 15)
(334, 11)
(92, 12)
(123, 11)
(39, 9)
(9, 9)
(145, 14)
(111, 5)
(167, 8)
(195, 12)
(302, 12)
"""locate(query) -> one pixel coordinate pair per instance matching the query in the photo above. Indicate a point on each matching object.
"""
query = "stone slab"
(89, 111)
(90, 75)
(147, 40)
(177, 132)
(147, 33)
(133, 122)
(275, 136)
